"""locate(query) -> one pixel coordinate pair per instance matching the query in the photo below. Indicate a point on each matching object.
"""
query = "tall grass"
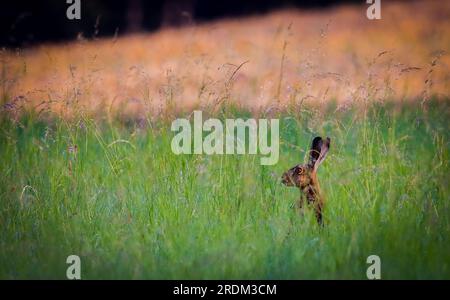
(116, 195)
(86, 166)
(254, 62)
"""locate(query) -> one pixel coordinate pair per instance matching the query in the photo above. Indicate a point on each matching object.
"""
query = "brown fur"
(304, 176)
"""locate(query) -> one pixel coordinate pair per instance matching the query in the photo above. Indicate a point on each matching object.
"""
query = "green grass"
(131, 209)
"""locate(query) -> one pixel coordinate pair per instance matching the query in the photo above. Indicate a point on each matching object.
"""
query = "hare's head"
(304, 175)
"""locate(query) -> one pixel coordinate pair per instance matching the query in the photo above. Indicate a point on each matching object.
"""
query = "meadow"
(86, 164)
(119, 198)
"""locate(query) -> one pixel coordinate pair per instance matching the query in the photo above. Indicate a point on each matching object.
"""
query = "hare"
(304, 176)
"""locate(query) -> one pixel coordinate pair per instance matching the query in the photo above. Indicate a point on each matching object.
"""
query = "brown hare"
(304, 176)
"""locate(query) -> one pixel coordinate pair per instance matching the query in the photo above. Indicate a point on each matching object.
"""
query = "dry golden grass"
(288, 56)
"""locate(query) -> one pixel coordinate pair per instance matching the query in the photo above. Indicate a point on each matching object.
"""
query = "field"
(86, 164)
(131, 209)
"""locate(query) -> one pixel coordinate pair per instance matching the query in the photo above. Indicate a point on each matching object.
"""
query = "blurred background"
(140, 57)
(27, 22)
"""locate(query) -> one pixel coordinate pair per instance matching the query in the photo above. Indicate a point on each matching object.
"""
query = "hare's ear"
(318, 152)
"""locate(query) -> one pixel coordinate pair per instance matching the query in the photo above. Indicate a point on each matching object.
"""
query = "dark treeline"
(28, 22)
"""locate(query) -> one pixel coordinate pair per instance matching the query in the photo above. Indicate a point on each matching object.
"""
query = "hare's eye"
(300, 171)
